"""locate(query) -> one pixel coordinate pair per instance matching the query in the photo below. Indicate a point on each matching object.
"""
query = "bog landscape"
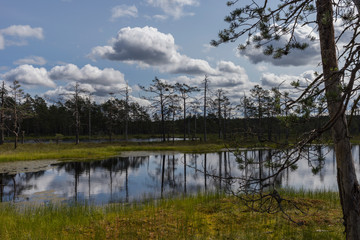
(245, 127)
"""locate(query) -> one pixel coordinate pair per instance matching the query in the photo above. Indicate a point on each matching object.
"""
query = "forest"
(263, 115)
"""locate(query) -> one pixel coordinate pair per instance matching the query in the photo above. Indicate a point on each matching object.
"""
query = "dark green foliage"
(48, 120)
(263, 24)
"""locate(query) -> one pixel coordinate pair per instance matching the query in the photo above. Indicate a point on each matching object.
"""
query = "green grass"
(84, 151)
(196, 217)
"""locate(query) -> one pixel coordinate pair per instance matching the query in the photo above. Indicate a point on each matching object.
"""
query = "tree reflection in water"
(124, 179)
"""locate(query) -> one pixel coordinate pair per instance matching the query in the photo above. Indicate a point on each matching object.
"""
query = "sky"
(103, 45)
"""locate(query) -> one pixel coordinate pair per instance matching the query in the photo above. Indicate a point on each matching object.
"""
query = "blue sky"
(49, 45)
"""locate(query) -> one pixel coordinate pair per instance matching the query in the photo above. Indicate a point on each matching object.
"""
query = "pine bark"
(346, 175)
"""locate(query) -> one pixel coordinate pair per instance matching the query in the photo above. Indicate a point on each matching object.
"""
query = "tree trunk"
(127, 112)
(184, 119)
(162, 118)
(15, 141)
(195, 127)
(259, 120)
(77, 131)
(205, 89)
(2, 113)
(346, 175)
(89, 119)
(77, 116)
(287, 127)
(224, 123)
(219, 116)
(15, 125)
(126, 126)
(173, 124)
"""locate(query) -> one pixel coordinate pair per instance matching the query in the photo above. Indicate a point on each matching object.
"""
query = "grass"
(211, 216)
(84, 151)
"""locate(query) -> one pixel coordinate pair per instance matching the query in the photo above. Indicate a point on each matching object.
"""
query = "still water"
(155, 175)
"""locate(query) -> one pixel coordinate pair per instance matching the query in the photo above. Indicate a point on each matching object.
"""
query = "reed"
(204, 216)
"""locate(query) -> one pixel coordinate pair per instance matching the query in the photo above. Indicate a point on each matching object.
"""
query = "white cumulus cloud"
(99, 82)
(24, 31)
(123, 11)
(32, 60)
(87, 74)
(2, 42)
(18, 34)
(102, 81)
(160, 17)
(148, 47)
(283, 81)
(230, 77)
(29, 75)
(57, 94)
(174, 8)
(308, 56)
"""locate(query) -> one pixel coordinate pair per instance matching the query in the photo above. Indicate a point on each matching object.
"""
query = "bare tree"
(77, 113)
(218, 102)
(125, 93)
(173, 110)
(195, 108)
(162, 92)
(259, 107)
(227, 114)
(3, 95)
(89, 106)
(74, 105)
(110, 109)
(244, 107)
(17, 110)
(185, 91)
(206, 86)
(126, 111)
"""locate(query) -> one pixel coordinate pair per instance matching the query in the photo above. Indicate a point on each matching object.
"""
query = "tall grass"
(63, 151)
(205, 216)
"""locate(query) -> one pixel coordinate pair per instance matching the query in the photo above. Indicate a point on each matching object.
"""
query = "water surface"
(135, 178)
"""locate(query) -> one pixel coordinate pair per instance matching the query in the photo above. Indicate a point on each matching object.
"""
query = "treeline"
(95, 119)
(262, 115)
